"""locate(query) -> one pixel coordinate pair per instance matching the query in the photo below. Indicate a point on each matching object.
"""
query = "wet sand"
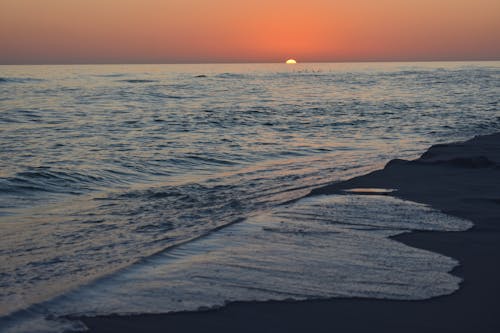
(461, 179)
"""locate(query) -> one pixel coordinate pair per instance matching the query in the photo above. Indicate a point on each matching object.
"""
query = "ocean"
(160, 188)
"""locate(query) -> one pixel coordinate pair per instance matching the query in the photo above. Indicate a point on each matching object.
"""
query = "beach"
(460, 179)
(224, 166)
(191, 195)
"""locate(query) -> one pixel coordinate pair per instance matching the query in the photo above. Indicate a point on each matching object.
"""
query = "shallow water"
(319, 247)
(101, 166)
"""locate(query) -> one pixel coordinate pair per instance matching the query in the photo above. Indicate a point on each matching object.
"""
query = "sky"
(198, 31)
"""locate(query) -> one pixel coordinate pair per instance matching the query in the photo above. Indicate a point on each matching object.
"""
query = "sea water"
(126, 175)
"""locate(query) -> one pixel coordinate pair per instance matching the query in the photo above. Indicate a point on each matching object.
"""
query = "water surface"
(101, 166)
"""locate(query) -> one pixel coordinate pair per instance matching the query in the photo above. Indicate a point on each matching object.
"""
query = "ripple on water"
(172, 156)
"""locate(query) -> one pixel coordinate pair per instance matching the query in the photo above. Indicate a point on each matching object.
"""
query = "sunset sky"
(171, 31)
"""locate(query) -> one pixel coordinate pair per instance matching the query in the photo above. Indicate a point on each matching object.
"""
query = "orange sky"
(163, 31)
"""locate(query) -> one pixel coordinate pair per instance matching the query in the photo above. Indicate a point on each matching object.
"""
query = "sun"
(291, 62)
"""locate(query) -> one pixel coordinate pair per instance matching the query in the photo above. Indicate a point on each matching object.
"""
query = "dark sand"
(461, 179)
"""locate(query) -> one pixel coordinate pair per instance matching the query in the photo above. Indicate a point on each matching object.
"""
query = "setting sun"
(291, 62)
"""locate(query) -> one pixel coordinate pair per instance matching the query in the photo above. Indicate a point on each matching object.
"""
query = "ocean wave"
(111, 75)
(231, 76)
(322, 247)
(210, 160)
(46, 179)
(139, 81)
(18, 80)
(166, 96)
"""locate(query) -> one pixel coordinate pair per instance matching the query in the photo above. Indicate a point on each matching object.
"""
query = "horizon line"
(245, 62)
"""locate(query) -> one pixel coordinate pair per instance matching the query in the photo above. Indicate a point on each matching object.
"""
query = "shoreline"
(461, 179)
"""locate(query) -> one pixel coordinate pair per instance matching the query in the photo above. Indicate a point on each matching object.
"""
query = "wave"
(18, 80)
(111, 75)
(231, 76)
(139, 81)
(321, 247)
(210, 160)
(166, 96)
(46, 179)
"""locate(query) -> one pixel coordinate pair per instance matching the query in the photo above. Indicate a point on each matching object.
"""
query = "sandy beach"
(460, 179)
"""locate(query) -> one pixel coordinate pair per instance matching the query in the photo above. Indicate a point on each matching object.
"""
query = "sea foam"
(318, 247)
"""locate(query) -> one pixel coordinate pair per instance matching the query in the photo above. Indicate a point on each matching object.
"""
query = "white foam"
(320, 247)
